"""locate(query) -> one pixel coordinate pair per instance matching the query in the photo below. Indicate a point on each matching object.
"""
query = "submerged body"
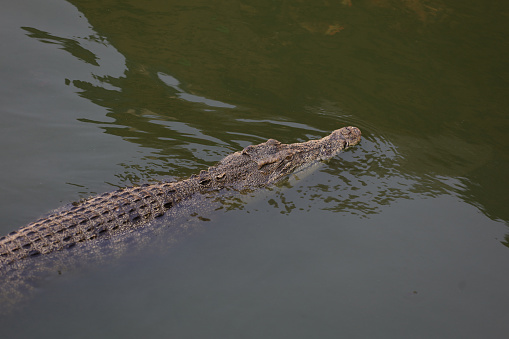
(126, 209)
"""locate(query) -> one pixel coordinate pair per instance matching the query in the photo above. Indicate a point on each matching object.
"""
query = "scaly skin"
(129, 208)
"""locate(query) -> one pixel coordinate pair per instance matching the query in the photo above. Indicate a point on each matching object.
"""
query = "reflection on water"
(192, 73)
(70, 45)
(172, 82)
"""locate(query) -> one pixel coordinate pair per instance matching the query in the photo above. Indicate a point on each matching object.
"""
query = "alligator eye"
(204, 181)
(289, 157)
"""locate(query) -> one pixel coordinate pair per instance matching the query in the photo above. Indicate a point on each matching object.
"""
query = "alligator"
(130, 208)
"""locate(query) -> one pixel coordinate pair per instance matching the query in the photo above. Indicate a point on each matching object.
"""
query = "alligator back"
(106, 214)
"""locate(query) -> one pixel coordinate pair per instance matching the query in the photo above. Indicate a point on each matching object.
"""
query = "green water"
(403, 236)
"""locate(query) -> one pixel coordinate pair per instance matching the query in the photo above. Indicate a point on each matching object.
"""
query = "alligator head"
(271, 161)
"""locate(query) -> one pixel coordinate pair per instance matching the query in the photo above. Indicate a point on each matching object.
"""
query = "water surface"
(403, 236)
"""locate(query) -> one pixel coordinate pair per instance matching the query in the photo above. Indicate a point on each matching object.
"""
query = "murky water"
(403, 236)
